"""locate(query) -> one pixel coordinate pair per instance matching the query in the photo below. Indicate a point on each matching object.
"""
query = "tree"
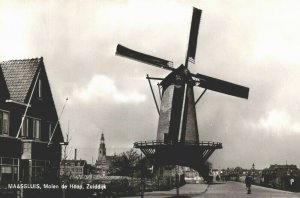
(143, 168)
(129, 163)
(64, 173)
(124, 163)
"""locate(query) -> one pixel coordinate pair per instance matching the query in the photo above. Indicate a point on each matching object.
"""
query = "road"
(228, 189)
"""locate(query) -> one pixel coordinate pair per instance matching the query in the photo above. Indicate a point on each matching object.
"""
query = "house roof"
(3, 86)
(276, 166)
(18, 75)
(74, 162)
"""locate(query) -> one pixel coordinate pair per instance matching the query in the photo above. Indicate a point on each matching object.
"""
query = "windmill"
(177, 141)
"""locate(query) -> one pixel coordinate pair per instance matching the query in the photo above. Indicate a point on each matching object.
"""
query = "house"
(74, 167)
(279, 176)
(27, 119)
(281, 170)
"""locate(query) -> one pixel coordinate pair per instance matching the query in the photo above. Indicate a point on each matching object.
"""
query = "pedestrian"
(292, 183)
(248, 182)
(218, 178)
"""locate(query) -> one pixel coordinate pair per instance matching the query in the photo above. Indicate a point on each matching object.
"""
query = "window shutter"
(1, 122)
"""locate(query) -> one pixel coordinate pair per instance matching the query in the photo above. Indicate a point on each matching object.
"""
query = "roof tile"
(19, 75)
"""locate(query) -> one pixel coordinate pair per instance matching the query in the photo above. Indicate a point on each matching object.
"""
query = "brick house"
(24, 152)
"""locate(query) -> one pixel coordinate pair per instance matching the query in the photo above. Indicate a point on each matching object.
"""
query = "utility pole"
(66, 153)
(253, 168)
(177, 180)
(142, 176)
(75, 156)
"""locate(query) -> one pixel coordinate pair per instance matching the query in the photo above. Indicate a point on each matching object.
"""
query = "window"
(31, 128)
(4, 122)
(40, 88)
(24, 132)
(39, 167)
(9, 169)
(49, 129)
(36, 129)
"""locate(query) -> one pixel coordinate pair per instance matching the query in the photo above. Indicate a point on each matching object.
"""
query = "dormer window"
(4, 122)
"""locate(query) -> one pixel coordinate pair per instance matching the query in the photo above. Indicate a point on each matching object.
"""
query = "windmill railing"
(172, 143)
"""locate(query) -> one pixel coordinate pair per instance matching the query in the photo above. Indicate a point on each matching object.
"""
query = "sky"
(250, 42)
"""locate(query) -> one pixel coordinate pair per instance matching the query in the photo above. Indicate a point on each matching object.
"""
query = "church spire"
(102, 138)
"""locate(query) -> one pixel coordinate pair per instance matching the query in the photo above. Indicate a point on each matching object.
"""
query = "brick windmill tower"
(177, 141)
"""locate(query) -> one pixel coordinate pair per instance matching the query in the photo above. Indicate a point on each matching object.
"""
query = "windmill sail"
(222, 86)
(193, 35)
(158, 62)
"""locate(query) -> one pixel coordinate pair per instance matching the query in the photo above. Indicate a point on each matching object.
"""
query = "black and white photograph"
(149, 98)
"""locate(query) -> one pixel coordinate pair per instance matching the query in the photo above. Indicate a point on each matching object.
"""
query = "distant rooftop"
(75, 162)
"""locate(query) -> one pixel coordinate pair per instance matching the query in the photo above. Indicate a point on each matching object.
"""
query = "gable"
(20, 76)
(44, 106)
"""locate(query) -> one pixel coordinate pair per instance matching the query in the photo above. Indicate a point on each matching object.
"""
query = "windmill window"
(4, 122)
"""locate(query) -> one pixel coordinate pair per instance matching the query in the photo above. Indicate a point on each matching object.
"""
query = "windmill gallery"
(177, 141)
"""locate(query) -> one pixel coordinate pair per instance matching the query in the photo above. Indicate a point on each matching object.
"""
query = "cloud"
(102, 87)
(276, 122)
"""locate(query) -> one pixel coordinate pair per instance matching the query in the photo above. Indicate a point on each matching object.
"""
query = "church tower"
(102, 148)
(102, 161)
